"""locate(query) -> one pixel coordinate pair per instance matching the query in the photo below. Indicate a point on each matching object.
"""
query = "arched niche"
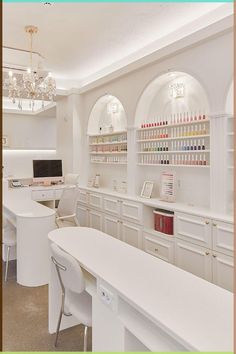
(107, 112)
(158, 99)
(229, 106)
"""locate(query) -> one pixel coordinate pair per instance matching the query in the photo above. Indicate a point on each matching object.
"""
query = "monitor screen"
(47, 168)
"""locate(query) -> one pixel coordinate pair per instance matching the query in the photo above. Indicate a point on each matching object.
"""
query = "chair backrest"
(72, 178)
(69, 271)
(68, 202)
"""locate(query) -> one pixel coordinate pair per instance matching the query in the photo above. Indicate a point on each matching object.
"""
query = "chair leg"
(85, 338)
(7, 262)
(58, 325)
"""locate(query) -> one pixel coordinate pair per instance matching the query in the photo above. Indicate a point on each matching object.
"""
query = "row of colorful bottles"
(176, 118)
(198, 160)
(109, 159)
(191, 130)
(175, 145)
(109, 148)
(101, 139)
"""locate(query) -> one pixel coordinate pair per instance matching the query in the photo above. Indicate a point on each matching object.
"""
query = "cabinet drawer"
(131, 210)
(111, 205)
(58, 194)
(223, 237)
(193, 229)
(95, 219)
(43, 195)
(131, 234)
(83, 196)
(111, 226)
(223, 271)
(158, 247)
(194, 259)
(95, 200)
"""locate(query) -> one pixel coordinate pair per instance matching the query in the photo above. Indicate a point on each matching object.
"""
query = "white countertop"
(197, 313)
(157, 203)
(18, 201)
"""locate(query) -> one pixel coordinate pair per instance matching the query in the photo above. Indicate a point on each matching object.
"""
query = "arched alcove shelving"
(107, 131)
(172, 123)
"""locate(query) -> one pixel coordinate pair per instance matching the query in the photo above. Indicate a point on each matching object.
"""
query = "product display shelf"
(171, 165)
(174, 138)
(108, 148)
(202, 121)
(175, 152)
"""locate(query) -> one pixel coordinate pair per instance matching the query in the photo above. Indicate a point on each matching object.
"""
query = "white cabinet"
(95, 200)
(223, 237)
(111, 205)
(193, 229)
(131, 210)
(193, 258)
(82, 215)
(159, 245)
(95, 219)
(223, 270)
(83, 196)
(131, 234)
(111, 226)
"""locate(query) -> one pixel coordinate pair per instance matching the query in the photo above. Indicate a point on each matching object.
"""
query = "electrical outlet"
(105, 295)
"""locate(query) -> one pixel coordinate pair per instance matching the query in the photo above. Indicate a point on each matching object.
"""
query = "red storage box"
(164, 221)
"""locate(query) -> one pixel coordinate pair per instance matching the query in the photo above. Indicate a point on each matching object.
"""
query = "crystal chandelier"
(32, 85)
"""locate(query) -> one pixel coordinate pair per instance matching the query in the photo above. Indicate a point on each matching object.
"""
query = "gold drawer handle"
(214, 224)
(207, 222)
(156, 249)
(214, 255)
(207, 253)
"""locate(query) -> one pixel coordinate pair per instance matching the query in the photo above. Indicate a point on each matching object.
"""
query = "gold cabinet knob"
(214, 224)
(156, 249)
(207, 222)
(214, 255)
(207, 253)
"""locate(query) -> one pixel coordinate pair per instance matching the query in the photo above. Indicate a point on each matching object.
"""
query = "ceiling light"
(33, 84)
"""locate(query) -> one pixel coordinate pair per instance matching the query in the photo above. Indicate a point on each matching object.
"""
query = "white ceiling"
(81, 39)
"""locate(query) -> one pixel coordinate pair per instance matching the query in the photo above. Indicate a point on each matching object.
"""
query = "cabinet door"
(223, 237)
(158, 246)
(111, 205)
(131, 210)
(82, 215)
(194, 259)
(111, 226)
(83, 196)
(193, 229)
(95, 219)
(95, 200)
(223, 270)
(131, 234)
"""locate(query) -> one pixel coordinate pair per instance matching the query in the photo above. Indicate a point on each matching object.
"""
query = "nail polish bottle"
(182, 160)
(196, 160)
(195, 145)
(167, 146)
(204, 160)
(187, 147)
(185, 160)
(199, 145)
(180, 117)
(199, 116)
(200, 160)
(191, 145)
(187, 118)
(167, 161)
(192, 160)
(203, 144)
(196, 130)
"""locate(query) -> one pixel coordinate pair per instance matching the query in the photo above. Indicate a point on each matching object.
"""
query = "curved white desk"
(155, 305)
(33, 222)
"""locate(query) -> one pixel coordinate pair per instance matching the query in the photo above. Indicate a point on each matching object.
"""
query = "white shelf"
(174, 152)
(174, 125)
(109, 153)
(109, 163)
(109, 134)
(109, 143)
(172, 138)
(169, 165)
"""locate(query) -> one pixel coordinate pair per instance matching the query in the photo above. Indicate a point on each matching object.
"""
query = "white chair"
(8, 240)
(72, 178)
(66, 211)
(75, 300)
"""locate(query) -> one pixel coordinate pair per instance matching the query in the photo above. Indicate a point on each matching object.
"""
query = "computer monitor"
(47, 170)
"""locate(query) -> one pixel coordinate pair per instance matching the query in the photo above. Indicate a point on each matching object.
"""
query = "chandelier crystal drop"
(32, 85)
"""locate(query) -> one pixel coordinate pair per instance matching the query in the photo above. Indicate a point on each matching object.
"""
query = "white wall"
(30, 137)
